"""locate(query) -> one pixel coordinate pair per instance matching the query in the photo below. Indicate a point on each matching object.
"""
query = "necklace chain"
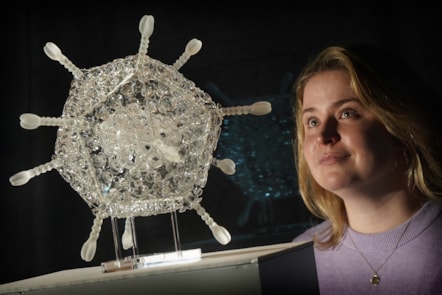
(375, 279)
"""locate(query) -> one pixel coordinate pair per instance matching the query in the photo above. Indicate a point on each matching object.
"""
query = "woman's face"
(345, 146)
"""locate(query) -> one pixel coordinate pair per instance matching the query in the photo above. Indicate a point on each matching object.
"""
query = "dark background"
(249, 54)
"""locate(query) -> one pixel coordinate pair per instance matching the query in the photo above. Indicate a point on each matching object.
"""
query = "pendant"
(375, 279)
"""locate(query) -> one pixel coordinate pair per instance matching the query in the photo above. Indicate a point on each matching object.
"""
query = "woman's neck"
(367, 214)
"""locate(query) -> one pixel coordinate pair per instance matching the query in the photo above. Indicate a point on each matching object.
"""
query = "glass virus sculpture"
(136, 138)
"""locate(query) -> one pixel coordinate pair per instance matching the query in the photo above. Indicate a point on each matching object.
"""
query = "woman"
(368, 157)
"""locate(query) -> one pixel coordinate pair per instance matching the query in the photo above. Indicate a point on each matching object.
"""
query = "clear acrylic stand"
(137, 261)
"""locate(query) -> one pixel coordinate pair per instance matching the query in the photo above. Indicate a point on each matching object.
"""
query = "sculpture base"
(146, 261)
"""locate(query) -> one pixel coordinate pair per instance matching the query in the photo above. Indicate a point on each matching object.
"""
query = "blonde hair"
(396, 103)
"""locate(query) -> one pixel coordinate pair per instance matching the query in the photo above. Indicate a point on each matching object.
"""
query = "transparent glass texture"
(143, 139)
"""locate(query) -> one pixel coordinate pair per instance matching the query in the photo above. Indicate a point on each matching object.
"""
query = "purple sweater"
(414, 268)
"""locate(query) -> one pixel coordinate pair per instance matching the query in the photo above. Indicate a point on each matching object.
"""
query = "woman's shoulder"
(316, 229)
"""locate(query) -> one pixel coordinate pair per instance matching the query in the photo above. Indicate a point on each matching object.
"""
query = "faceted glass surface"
(142, 141)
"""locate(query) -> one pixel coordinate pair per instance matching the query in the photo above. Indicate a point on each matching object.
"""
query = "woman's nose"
(328, 133)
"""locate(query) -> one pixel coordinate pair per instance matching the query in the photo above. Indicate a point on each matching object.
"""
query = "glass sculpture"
(136, 138)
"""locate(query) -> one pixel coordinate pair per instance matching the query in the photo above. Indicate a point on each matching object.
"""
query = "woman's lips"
(332, 158)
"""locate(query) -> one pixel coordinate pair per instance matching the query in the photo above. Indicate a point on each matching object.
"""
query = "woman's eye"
(312, 122)
(348, 114)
